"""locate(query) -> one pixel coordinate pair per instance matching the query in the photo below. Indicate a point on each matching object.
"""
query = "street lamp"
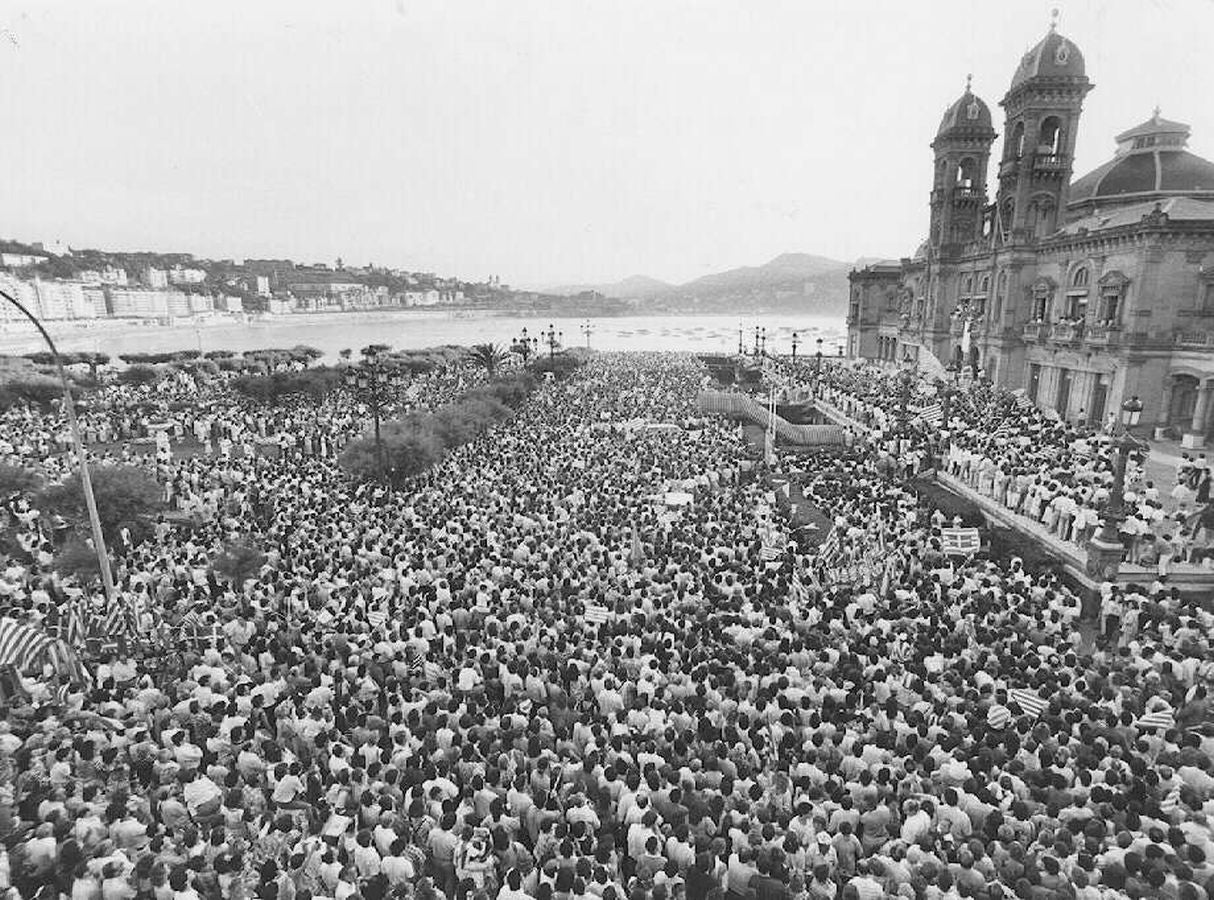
(795, 341)
(818, 359)
(1131, 415)
(756, 347)
(587, 330)
(904, 391)
(763, 342)
(375, 382)
(86, 483)
(524, 345)
(552, 338)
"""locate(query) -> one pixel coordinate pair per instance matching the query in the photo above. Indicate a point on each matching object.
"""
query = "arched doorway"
(1184, 401)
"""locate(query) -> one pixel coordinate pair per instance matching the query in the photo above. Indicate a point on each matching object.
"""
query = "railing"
(1193, 339)
(1053, 161)
(1066, 332)
(1009, 167)
(732, 404)
(968, 193)
(1034, 331)
(1105, 335)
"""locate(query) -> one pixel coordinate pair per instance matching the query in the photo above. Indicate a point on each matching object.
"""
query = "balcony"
(1051, 162)
(1034, 331)
(1066, 332)
(1103, 335)
(969, 194)
(1194, 339)
(1009, 167)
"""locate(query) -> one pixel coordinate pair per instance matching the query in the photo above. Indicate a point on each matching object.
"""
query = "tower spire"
(1053, 19)
(969, 80)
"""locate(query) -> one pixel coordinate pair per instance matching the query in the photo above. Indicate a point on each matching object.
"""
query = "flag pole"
(86, 483)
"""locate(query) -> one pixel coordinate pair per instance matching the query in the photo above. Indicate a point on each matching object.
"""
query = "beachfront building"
(1081, 292)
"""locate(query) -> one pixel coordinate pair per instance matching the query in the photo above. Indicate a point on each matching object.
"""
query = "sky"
(542, 141)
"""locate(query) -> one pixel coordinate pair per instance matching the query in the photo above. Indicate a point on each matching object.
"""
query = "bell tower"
(962, 151)
(1042, 109)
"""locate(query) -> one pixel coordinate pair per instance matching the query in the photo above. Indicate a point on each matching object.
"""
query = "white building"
(137, 303)
(183, 275)
(154, 278)
(21, 260)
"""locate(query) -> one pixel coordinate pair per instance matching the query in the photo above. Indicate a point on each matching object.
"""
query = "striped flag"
(377, 617)
(932, 414)
(417, 661)
(21, 646)
(119, 620)
(1161, 720)
(1030, 701)
(960, 541)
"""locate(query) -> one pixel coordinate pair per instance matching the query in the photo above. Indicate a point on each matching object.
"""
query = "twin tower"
(1042, 109)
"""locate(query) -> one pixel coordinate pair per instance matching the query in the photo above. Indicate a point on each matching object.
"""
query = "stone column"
(1165, 407)
(1195, 435)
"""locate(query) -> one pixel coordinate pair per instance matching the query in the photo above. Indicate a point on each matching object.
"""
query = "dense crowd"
(411, 698)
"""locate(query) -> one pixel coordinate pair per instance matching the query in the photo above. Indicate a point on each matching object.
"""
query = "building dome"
(1151, 162)
(967, 113)
(1054, 57)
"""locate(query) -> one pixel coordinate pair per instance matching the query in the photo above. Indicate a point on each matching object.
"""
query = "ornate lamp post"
(904, 391)
(818, 358)
(755, 351)
(552, 338)
(741, 346)
(795, 341)
(524, 344)
(375, 382)
(587, 331)
(763, 343)
(1105, 549)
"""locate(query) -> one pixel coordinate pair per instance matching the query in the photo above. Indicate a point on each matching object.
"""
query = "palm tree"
(491, 356)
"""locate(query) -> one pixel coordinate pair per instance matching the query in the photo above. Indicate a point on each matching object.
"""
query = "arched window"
(967, 173)
(967, 285)
(1050, 140)
(1015, 144)
(1043, 217)
(1077, 294)
(1000, 294)
(1009, 211)
(985, 287)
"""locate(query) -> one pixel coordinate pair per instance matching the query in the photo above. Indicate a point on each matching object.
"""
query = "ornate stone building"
(1081, 292)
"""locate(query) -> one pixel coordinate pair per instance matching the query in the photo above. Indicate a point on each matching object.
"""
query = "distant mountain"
(634, 287)
(785, 268)
(791, 281)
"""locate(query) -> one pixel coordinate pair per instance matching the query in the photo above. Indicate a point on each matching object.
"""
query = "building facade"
(1081, 292)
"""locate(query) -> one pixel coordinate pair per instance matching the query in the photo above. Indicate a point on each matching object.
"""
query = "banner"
(960, 541)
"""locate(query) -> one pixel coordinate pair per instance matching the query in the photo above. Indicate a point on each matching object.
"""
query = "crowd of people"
(412, 698)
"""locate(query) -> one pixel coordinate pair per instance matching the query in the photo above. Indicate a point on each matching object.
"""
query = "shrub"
(139, 374)
(126, 498)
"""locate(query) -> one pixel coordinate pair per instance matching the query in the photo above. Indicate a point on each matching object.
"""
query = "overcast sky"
(540, 141)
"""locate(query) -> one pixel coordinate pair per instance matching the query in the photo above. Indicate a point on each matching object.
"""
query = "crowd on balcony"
(410, 698)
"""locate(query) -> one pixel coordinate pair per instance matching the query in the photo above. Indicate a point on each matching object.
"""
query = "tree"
(139, 375)
(345, 354)
(34, 389)
(238, 562)
(406, 452)
(78, 560)
(127, 497)
(375, 349)
(489, 356)
(305, 354)
(219, 354)
(18, 480)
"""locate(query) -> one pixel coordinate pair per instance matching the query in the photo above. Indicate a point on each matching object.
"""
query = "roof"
(968, 113)
(1150, 161)
(1054, 57)
(1177, 209)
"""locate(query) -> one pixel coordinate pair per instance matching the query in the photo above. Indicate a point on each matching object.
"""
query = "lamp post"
(524, 345)
(795, 341)
(755, 351)
(553, 338)
(818, 359)
(86, 482)
(741, 346)
(904, 390)
(1131, 415)
(763, 342)
(375, 382)
(587, 330)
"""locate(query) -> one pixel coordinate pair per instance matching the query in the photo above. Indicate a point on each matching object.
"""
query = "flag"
(377, 617)
(21, 646)
(118, 620)
(960, 541)
(1030, 701)
(1161, 719)
(773, 546)
(417, 661)
(932, 414)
